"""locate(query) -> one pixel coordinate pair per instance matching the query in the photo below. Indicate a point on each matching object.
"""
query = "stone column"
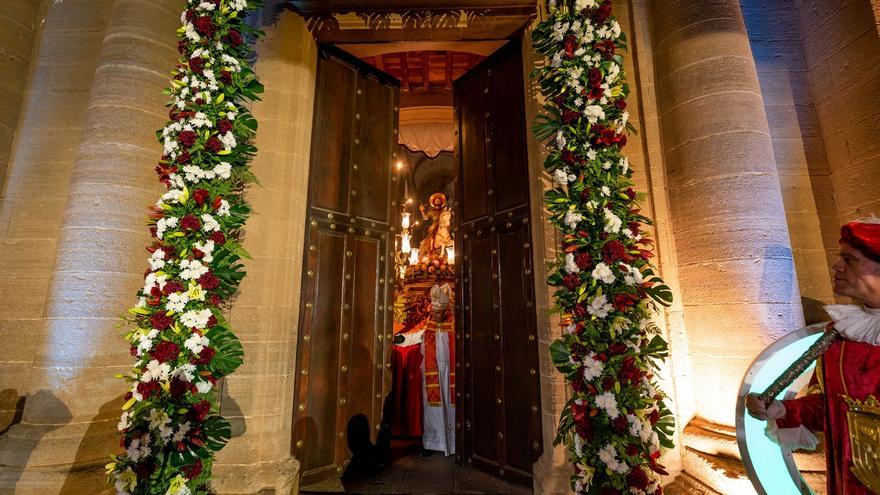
(841, 44)
(258, 398)
(737, 280)
(68, 428)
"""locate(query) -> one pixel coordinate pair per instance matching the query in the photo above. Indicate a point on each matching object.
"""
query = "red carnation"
(212, 320)
(193, 470)
(165, 351)
(620, 104)
(233, 37)
(147, 389)
(182, 46)
(205, 26)
(209, 281)
(596, 77)
(580, 310)
(654, 416)
(184, 158)
(218, 238)
(224, 126)
(171, 287)
(606, 48)
(145, 469)
(568, 157)
(570, 116)
(570, 46)
(215, 299)
(602, 13)
(197, 64)
(190, 222)
(620, 423)
(200, 411)
(190, 15)
(160, 321)
(632, 449)
(585, 195)
(201, 195)
(613, 251)
(197, 253)
(187, 138)
(637, 478)
(578, 384)
(607, 383)
(205, 356)
(601, 357)
(225, 77)
(583, 260)
(617, 348)
(214, 144)
(571, 281)
(179, 388)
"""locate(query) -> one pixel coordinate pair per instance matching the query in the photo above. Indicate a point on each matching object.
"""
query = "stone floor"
(414, 474)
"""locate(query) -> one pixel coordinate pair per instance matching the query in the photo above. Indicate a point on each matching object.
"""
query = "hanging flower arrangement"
(615, 422)
(179, 338)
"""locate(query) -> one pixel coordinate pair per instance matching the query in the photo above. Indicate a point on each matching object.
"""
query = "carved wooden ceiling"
(425, 69)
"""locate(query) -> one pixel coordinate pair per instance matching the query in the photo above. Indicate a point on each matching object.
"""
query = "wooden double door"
(343, 353)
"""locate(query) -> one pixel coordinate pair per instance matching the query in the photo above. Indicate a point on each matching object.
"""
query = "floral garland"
(615, 422)
(181, 342)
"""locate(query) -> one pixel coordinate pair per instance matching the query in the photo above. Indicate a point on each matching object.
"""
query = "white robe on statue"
(438, 432)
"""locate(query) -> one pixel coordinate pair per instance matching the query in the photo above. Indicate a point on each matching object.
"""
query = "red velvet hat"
(864, 235)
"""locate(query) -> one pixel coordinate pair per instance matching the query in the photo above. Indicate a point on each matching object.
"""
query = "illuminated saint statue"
(438, 237)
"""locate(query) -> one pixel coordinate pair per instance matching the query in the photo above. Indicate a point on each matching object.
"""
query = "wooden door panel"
(342, 311)
(473, 134)
(501, 409)
(375, 119)
(331, 137)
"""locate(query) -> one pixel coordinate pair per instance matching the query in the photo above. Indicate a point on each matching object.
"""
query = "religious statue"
(438, 237)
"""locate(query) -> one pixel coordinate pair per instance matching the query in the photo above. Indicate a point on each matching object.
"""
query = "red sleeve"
(808, 411)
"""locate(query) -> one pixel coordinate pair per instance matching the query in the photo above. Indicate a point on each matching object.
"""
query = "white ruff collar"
(857, 323)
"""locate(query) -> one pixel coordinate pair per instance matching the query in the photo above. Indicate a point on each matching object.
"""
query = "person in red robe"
(850, 367)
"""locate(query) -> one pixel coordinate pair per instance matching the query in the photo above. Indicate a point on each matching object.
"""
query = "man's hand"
(758, 409)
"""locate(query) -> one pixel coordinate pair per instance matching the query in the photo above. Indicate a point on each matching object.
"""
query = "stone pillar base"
(552, 475)
(268, 478)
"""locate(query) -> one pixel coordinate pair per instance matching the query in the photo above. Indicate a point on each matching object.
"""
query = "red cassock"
(847, 367)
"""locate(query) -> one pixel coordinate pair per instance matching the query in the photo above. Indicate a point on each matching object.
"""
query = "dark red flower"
(602, 13)
(578, 384)
(160, 321)
(233, 37)
(200, 411)
(632, 449)
(634, 227)
(133, 350)
(209, 281)
(182, 46)
(607, 137)
(583, 260)
(630, 192)
(205, 356)
(571, 281)
(215, 299)
(620, 423)
(629, 371)
(197, 253)
(201, 195)
(212, 320)
(145, 469)
(187, 138)
(180, 387)
(570, 116)
(219, 238)
(190, 15)
(617, 348)
(568, 157)
(654, 416)
(606, 48)
(637, 479)
(571, 45)
(620, 104)
(214, 144)
(601, 357)
(609, 491)
(225, 77)
(147, 389)
(184, 158)
(613, 251)
(165, 351)
(585, 194)
(596, 77)
(197, 64)
(224, 126)
(192, 471)
(172, 286)
(580, 310)
(607, 383)
(190, 222)
(205, 26)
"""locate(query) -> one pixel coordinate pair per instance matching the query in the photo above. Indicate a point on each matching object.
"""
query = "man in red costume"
(850, 367)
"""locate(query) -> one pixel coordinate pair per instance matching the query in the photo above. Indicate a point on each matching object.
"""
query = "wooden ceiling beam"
(448, 83)
(329, 6)
(426, 71)
(405, 71)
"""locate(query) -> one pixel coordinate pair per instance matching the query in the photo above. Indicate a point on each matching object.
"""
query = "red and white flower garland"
(615, 422)
(180, 340)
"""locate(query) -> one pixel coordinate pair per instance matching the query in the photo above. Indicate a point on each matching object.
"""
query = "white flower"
(206, 6)
(185, 373)
(633, 276)
(153, 280)
(613, 74)
(572, 218)
(608, 455)
(624, 165)
(201, 120)
(603, 273)
(195, 343)
(599, 306)
(204, 387)
(648, 388)
(578, 102)
(207, 248)
(570, 265)
(580, 5)
(560, 140)
(191, 33)
(145, 342)
(157, 260)
(556, 61)
(592, 367)
(232, 62)
(223, 170)
(156, 371)
(223, 210)
(228, 141)
(639, 428)
(164, 224)
(209, 224)
(613, 223)
(571, 328)
(181, 432)
(594, 113)
(615, 29)
(605, 190)
(238, 5)
(157, 419)
(138, 449)
(177, 302)
(195, 319)
(123, 421)
(192, 269)
(607, 165)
